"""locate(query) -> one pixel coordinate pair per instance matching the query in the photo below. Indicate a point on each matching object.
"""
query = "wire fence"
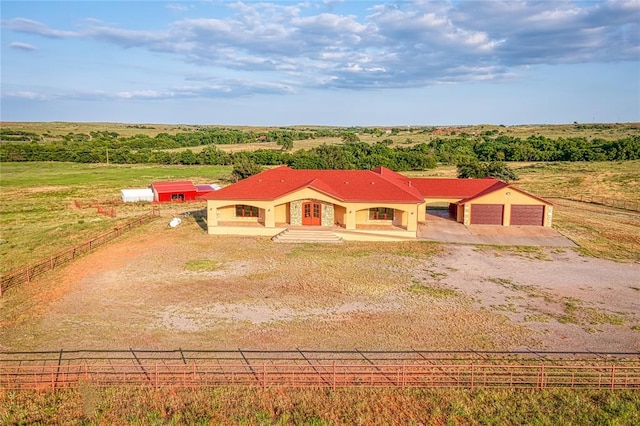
(27, 273)
(319, 369)
(603, 201)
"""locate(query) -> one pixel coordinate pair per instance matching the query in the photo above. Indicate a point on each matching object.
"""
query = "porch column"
(212, 217)
(548, 216)
(422, 212)
(351, 218)
(269, 217)
(412, 219)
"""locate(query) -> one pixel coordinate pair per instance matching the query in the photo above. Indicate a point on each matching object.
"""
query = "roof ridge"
(398, 180)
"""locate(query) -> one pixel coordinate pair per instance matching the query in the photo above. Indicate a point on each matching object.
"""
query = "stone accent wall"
(295, 212)
(327, 214)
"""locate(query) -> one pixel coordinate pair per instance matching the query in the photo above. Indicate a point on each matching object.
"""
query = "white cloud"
(178, 7)
(29, 26)
(406, 44)
(22, 46)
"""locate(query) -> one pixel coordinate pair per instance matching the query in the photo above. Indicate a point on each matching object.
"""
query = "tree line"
(102, 147)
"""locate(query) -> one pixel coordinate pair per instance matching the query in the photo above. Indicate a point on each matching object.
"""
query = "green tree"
(477, 170)
(244, 167)
(285, 142)
(499, 170)
(471, 170)
(350, 137)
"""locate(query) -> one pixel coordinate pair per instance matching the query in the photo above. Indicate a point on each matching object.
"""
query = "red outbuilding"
(176, 191)
(179, 191)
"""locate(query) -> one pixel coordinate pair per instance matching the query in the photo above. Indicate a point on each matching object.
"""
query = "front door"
(312, 213)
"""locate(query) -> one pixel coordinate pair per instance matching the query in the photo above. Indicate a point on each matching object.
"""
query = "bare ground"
(168, 288)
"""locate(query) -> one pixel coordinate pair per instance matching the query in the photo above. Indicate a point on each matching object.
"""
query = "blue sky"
(329, 62)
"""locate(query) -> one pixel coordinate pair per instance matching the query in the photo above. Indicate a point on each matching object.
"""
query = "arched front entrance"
(312, 213)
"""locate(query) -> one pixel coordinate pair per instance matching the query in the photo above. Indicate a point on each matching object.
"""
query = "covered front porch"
(313, 209)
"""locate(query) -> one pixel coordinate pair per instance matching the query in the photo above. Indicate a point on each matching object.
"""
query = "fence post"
(472, 375)
(613, 376)
(333, 381)
(156, 375)
(404, 373)
(264, 376)
(542, 376)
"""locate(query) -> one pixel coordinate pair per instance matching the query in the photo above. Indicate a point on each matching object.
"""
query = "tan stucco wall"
(509, 196)
(228, 213)
(282, 213)
(406, 215)
(339, 214)
(347, 214)
(441, 201)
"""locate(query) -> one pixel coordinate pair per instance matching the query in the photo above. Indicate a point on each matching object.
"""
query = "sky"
(331, 62)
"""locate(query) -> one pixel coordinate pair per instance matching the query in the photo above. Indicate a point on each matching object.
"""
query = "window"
(381, 213)
(246, 211)
(177, 197)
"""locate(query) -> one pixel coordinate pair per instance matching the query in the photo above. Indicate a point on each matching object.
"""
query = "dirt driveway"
(181, 288)
(441, 228)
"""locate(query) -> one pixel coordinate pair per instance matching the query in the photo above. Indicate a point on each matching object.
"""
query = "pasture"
(607, 131)
(262, 291)
(161, 288)
(47, 207)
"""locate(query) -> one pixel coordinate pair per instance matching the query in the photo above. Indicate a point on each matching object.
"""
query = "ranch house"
(364, 201)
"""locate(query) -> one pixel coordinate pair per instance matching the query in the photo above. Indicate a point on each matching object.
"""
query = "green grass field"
(47, 207)
(239, 406)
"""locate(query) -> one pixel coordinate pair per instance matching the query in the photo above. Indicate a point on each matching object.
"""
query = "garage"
(486, 214)
(527, 215)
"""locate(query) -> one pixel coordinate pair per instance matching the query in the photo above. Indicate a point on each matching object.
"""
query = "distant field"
(417, 134)
(46, 207)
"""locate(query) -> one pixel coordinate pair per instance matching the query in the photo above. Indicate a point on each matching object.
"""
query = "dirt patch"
(571, 302)
(144, 291)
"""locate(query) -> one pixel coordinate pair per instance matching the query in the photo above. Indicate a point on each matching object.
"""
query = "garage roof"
(378, 185)
(454, 188)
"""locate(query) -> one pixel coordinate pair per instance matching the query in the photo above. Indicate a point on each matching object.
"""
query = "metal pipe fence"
(27, 273)
(320, 369)
(603, 201)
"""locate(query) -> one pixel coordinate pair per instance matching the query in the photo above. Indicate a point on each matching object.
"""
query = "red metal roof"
(344, 185)
(499, 185)
(455, 188)
(378, 185)
(173, 186)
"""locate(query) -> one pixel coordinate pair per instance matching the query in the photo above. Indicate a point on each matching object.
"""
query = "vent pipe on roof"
(409, 184)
